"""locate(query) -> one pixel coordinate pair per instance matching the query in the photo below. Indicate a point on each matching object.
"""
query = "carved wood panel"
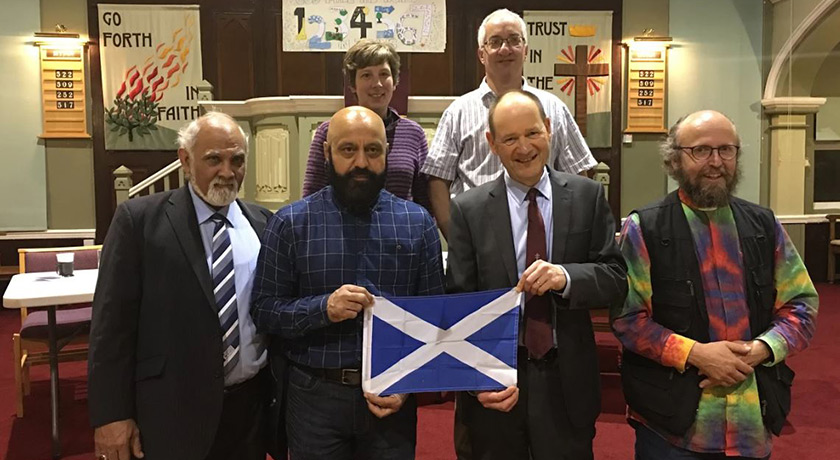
(234, 59)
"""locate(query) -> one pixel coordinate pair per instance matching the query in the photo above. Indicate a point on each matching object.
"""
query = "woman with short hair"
(373, 68)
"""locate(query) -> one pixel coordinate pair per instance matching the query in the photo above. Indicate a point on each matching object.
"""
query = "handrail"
(163, 173)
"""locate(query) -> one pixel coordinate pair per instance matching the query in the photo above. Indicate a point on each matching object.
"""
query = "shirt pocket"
(397, 264)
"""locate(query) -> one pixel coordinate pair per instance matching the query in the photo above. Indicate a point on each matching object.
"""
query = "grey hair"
(188, 134)
(669, 150)
(502, 13)
(669, 147)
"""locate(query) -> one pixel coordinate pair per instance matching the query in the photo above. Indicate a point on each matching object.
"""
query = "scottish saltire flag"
(441, 343)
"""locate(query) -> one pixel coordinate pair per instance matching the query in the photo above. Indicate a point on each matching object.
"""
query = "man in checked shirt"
(718, 298)
(323, 259)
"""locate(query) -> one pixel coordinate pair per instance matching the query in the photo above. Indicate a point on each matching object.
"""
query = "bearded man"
(718, 299)
(323, 259)
(175, 365)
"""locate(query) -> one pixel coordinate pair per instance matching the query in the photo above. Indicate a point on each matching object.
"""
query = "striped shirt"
(313, 246)
(407, 149)
(460, 152)
(728, 418)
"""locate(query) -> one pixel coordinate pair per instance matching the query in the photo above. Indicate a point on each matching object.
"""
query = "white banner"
(335, 25)
(151, 67)
(567, 46)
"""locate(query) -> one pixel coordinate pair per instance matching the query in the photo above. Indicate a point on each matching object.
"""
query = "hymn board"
(646, 92)
(63, 91)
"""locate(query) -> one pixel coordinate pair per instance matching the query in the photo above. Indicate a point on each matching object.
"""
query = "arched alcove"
(827, 80)
(818, 47)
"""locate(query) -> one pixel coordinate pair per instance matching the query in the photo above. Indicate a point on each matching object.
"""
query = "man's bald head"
(704, 120)
(355, 151)
(355, 118)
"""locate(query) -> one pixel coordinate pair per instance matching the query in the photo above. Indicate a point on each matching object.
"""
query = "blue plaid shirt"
(313, 246)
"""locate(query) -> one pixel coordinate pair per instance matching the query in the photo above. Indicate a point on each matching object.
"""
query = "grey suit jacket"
(155, 341)
(481, 257)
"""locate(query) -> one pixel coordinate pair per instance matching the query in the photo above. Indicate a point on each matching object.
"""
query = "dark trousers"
(242, 432)
(328, 420)
(537, 428)
(651, 446)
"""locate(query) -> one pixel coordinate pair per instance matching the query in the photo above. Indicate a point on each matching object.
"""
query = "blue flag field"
(441, 343)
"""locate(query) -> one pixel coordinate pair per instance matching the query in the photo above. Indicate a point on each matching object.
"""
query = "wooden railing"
(124, 189)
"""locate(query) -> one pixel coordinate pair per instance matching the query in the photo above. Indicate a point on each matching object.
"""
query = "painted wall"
(23, 201)
(716, 63)
(69, 162)
(642, 177)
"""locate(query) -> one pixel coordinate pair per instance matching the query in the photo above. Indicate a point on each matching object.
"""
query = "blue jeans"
(651, 446)
(327, 420)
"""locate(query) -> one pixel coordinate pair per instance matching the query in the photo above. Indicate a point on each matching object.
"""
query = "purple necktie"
(538, 337)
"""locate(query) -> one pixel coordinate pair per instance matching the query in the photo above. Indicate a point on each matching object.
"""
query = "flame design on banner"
(163, 69)
(136, 102)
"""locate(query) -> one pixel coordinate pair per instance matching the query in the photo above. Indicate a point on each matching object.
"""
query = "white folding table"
(49, 290)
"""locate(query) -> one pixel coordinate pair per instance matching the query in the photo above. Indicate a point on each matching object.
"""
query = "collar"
(391, 118)
(519, 190)
(485, 90)
(203, 211)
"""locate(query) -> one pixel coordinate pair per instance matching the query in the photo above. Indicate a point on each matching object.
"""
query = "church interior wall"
(23, 202)
(644, 180)
(69, 162)
(716, 62)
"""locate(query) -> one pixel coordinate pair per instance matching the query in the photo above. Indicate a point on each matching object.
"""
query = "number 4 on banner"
(357, 21)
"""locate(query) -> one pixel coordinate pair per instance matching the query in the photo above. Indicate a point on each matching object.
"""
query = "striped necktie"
(224, 289)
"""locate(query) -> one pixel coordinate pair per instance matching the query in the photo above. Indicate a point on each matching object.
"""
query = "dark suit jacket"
(482, 257)
(155, 342)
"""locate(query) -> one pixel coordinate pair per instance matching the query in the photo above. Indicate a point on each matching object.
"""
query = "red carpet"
(813, 430)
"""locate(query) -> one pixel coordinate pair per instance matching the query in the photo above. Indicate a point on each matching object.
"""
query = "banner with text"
(335, 25)
(570, 55)
(151, 67)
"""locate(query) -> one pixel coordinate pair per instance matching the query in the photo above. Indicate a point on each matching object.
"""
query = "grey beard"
(218, 197)
(712, 196)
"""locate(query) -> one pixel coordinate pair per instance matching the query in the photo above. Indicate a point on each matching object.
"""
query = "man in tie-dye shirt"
(718, 298)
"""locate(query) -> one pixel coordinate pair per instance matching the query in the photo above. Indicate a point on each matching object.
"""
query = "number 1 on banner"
(300, 12)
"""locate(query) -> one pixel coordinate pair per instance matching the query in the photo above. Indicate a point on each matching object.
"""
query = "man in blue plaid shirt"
(322, 261)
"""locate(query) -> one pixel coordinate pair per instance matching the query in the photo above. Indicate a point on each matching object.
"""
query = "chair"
(30, 345)
(833, 245)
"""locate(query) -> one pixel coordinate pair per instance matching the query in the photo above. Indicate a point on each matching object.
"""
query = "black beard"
(357, 196)
(710, 196)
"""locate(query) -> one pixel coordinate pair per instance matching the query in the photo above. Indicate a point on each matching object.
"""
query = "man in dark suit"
(500, 236)
(176, 365)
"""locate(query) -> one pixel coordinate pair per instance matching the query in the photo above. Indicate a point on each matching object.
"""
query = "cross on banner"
(581, 68)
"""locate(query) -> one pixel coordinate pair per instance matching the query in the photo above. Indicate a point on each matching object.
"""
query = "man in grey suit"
(500, 236)
(176, 368)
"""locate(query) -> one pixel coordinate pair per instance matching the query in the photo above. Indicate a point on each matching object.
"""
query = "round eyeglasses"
(703, 152)
(495, 43)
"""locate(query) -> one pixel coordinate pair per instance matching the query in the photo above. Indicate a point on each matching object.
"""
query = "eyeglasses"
(703, 152)
(495, 43)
